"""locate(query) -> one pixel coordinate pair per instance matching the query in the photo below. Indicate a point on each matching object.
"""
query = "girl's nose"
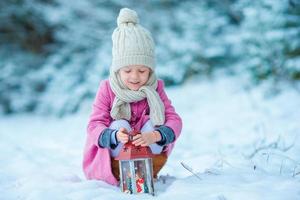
(134, 75)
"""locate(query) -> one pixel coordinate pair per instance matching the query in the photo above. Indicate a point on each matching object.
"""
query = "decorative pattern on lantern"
(136, 168)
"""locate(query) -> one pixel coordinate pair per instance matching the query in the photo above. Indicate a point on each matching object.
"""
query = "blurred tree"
(270, 37)
(53, 53)
(25, 39)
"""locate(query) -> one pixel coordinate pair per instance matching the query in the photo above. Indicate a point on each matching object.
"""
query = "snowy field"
(242, 143)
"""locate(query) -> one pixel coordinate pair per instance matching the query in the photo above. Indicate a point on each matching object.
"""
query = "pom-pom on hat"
(131, 43)
(127, 16)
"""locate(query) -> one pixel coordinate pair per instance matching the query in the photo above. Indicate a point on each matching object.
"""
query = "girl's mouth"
(134, 83)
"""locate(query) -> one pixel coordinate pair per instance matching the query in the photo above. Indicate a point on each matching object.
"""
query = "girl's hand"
(122, 135)
(146, 139)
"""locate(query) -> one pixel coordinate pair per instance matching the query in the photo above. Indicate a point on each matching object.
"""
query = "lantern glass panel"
(136, 176)
(126, 177)
(141, 177)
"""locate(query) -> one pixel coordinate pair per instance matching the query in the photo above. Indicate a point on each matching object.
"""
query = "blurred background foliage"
(53, 53)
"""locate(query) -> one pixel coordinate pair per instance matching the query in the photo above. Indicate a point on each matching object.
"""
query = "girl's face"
(134, 76)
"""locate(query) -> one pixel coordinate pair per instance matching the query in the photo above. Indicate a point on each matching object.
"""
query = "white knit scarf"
(124, 96)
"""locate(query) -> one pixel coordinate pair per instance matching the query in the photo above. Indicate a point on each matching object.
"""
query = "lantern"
(136, 168)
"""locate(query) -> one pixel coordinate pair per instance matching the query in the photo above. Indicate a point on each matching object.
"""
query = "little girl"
(131, 99)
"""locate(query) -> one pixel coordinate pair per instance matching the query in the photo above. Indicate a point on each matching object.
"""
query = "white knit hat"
(131, 43)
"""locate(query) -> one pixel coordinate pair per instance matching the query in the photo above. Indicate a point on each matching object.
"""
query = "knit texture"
(124, 96)
(107, 139)
(167, 135)
(131, 43)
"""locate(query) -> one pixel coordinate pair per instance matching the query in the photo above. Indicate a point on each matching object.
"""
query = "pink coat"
(96, 160)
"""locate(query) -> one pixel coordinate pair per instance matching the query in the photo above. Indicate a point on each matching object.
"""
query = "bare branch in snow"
(189, 169)
(272, 145)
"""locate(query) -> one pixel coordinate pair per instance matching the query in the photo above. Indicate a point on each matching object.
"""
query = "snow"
(225, 122)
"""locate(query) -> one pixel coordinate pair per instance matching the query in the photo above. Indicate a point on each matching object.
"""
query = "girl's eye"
(127, 71)
(142, 71)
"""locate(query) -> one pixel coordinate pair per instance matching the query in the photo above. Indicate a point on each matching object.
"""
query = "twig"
(189, 169)
(283, 156)
(272, 145)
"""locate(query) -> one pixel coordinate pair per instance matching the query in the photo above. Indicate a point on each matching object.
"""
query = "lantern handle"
(133, 133)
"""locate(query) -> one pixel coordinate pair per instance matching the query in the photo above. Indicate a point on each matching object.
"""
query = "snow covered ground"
(224, 125)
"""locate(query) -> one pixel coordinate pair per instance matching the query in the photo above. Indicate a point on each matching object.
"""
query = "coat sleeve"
(96, 160)
(100, 117)
(172, 119)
